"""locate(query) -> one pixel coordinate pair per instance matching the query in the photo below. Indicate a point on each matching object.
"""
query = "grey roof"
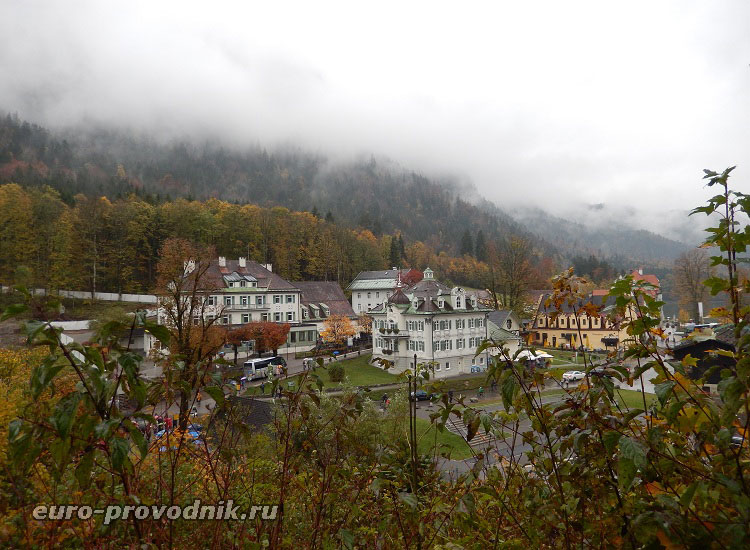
(266, 279)
(499, 333)
(499, 316)
(236, 277)
(325, 293)
(399, 297)
(386, 278)
(723, 334)
(428, 288)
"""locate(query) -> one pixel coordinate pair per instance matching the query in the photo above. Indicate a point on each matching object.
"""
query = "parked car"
(478, 368)
(573, 376)
(421, 395)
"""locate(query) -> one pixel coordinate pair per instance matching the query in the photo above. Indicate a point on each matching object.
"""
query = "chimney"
(242, 262)
(222, 261)
(188, 266)
(640, 271)
(269, 267)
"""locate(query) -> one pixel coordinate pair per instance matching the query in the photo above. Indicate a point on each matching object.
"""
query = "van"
(255, 369)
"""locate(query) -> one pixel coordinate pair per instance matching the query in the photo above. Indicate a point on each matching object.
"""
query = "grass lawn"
(357, 372)
(633, 399)
(446, 441)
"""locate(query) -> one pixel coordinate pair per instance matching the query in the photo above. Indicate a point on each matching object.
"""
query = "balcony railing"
(256, 307)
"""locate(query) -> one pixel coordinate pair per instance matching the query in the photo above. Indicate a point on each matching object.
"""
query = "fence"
(104, 296)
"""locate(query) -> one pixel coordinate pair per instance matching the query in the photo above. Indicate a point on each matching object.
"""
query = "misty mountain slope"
(613, 241)
(374, 194)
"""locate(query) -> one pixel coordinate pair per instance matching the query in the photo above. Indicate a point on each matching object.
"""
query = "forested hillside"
(372, 194)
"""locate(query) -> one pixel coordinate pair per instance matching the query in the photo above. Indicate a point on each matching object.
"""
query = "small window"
(264, 316)
(227, 300)
(290, 316)
(276, 298)
(447, 365)
(245, 317)
(225, 319)
(243, 283)
(277, 317)
(212, 300)
(509, 324)
(290, 298)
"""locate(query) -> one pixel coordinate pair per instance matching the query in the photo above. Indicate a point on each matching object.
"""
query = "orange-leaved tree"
(267, 335)
(337, 329)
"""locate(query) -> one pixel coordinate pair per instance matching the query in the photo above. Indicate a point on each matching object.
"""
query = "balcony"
(390, 333)
(246, 307)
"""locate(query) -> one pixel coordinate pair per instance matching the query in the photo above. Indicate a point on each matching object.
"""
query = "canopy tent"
(529, 356)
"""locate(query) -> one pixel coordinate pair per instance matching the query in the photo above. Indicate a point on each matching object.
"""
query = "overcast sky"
(556, 104)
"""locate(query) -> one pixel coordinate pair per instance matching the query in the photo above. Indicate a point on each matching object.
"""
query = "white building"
(439, 325)
(372, 288)
(247, 292)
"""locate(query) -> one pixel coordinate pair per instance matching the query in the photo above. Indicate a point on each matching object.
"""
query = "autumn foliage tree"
(337, 328)
(267, 335)
(185, 280)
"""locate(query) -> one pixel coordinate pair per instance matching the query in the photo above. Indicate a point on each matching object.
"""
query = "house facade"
(573, 328)
(439, 325)
(372, 288)
(246, 292)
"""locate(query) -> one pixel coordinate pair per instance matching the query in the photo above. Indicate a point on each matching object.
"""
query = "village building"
(439, 325)
(573, 328)
(372, 288)
(247, 291)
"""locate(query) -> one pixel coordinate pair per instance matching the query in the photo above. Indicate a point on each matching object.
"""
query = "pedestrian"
(450, 396)
(493, 386)
(480, 392)
(263, 388)
(198, 398)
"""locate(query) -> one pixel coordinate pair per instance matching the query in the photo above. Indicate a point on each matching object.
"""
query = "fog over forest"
(586, 110)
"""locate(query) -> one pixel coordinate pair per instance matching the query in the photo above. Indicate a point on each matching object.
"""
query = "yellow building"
(573, 328)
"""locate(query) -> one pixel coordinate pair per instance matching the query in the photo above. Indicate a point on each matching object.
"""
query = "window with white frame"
(436, 346)
(228, 300)
(369, 294)
(437, 366)
(245, 318)
(290, 298)
(471, 323)
(212, 300)
(243, 300)
(290, 316)
(277, 316)
(264, 317)
(460, 343)
(447, 365)
(225, 319)
(420, 346)
(359, 294)
(277, 298)
(460, 323)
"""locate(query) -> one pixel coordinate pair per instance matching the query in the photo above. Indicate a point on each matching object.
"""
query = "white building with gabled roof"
(371, 288)
(440, 325)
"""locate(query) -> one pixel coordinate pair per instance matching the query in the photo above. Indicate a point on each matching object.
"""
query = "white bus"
(259, 368)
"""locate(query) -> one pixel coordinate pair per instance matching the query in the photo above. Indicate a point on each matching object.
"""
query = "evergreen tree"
(480, 247)
(401, 249)
(395, 255)
(329, 217)
(467, 246)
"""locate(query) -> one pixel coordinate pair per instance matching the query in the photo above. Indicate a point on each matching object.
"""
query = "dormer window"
(458, 303)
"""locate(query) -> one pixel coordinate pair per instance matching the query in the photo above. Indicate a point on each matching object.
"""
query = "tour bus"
(260, 368)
